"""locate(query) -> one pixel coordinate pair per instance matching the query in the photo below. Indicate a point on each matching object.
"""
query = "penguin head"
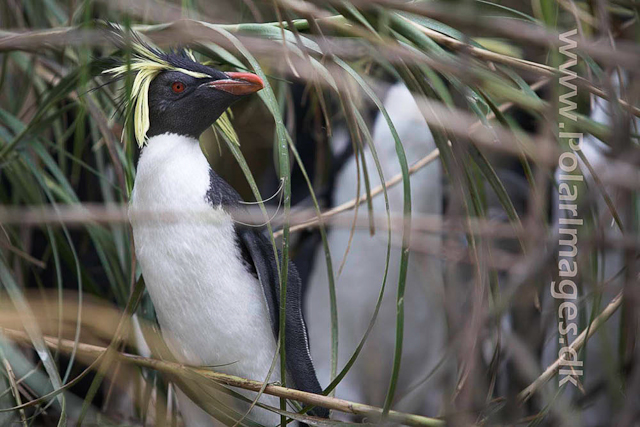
(186, 105)
(173, 93)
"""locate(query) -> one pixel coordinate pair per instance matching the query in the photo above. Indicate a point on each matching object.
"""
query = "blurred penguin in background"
(358, 284)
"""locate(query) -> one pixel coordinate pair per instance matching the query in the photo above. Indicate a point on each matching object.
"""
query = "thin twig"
(374, 192)
(333, 403)
(14, 388)
(576, 345)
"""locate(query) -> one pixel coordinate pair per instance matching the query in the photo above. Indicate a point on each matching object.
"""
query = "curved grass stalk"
(404, 258)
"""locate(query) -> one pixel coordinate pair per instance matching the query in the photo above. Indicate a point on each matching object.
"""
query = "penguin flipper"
(258, 253)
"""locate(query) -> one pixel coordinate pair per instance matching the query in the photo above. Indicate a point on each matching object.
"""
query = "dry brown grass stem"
(357, 201)
(577, 344)
(185, 31)
(88, 214)
(94, 352)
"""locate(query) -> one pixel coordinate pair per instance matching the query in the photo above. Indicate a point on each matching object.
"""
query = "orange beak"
(238, 83)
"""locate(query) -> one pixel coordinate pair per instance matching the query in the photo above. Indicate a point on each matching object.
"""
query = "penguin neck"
(168, 145)
(172, 173)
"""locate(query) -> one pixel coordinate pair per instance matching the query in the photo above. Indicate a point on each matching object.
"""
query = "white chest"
(211, 309)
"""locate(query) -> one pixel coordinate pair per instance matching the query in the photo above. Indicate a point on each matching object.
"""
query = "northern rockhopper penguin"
(214, 284)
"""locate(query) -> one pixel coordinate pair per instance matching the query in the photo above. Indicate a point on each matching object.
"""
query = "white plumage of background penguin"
(359, 283)
(214, 285)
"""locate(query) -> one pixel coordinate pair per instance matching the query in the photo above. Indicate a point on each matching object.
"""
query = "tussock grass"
(67, 265)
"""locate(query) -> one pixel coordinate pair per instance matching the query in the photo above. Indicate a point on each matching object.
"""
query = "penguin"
(358, 285)
(214, 284)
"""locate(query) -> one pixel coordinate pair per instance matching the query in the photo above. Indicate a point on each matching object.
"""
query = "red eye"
(177, 87)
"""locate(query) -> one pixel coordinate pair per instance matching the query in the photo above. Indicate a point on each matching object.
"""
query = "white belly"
(211, 309)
